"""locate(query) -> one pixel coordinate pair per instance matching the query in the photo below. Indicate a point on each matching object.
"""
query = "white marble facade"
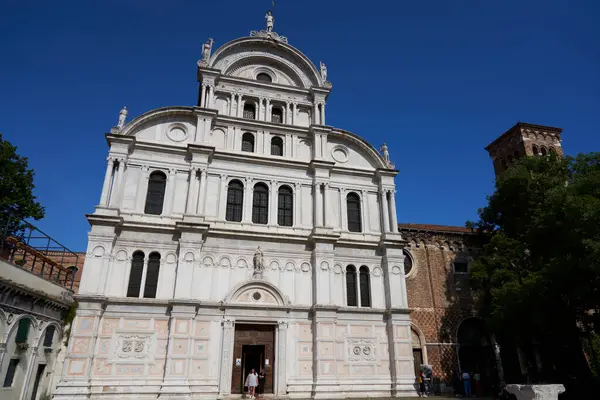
(175, 340)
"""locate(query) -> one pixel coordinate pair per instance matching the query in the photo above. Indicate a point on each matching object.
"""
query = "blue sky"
(436, 80)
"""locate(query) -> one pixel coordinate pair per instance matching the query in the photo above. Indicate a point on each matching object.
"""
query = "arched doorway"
(476, 353)
(419, 356)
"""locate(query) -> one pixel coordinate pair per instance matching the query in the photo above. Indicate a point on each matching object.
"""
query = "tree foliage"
(16, 186)
(539, 275)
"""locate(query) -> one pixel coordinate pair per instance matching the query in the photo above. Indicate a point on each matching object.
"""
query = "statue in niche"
(270, 21)
(259, 264)
(122, 117)
(323, 72)
(206, 49)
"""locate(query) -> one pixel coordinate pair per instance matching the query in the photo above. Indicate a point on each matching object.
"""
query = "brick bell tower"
(524, 140)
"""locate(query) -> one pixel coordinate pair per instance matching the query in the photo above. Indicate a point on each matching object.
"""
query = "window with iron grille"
(10, 372)
(365, 287)
(49, 336)
(249, 111)
(277, 115)
(351, 295)
(156, 193)
(354, 216)
(135, 276)
(276, 146)
(285, 206)
(235, 200)
(248, 142)
(260, 204)
(152, 276)
(23, 330)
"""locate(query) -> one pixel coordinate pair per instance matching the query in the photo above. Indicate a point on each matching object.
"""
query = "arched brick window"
(248, 142)
(351, 292)
(235, 201)
(365, 286)
(285, 206)
(135, 276)
(152, 276)
(156, 193)
(354, 212)
(535, 150)
(276, 146)
(260, 204)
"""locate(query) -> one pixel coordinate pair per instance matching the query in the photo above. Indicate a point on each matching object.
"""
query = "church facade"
(243, 233)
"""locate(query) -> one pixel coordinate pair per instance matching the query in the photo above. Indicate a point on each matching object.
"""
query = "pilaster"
(226, 357)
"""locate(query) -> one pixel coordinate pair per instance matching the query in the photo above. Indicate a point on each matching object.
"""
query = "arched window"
(535, 150)
(543, 151)
(285, 206)
(365, 287)
(351, 295)
(417, 350)
(262, 77)
(135, 276)
(23, 331)
(152, 276)
(408, 262)
(249, 111)
(260, 204)
(235, 201)
(354, 216)
(49, 336)
(277, 115)
(552, 152)
(156, 193)
(248, 142)
(276, 146)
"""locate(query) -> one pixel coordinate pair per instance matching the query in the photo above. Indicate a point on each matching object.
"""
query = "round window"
(408, 263)
(262, 77)
(256, 296)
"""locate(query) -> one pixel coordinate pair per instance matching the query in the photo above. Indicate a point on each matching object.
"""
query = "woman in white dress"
(252, 382)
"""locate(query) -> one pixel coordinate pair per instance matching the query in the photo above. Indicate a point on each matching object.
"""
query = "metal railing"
(27, 247)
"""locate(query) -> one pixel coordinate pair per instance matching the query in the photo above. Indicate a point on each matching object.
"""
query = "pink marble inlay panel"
(80, 345)
(200, 347)
(202, 329)
(102, 367)
(326, 349)
(136, 323)
(180, 346)
(199, 368)
(109, 325)
(157, 369)
(361, 330)
(304, 332)
(341, 331)
(182, 326)
(326, 331)
(161, 346)
(76, 367)
(161, 327)
(342, 369)
(305, 368)
(103, 346)
(130, 370)
(401, 332)
(84, 324)
(305, 349)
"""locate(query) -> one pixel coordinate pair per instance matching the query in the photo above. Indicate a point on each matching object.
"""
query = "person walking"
(466, 378)
(252, 383)
(421, 380)
(261, 382)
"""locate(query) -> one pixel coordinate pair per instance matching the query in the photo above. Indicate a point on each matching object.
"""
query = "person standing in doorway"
(421, 380)
(466, 378)
(261, 382)
(252, 383)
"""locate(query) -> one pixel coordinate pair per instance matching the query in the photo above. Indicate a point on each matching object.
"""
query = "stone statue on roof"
(206, 50)
(122, 116)
(323, 72)
(270, 21)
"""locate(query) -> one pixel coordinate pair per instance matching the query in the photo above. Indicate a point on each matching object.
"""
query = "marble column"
(240, 105)
(191, 185)
(268, 110)
(326, 206)
(143, 281)
(170, 191)
(227, 356)
(273, 197)
(322, 113)
(394, 217)
(294, 113)
(211, 96)
(315, 119)
(222, 196)
(343, 211)
(231, 97)
(365, 211)
(296, 204)
(260, 109)
(318, 204)
(108, 176)
(384, 211)
(203, 96)
(202, 194)
(288, 113)
(140, 197)
(248, 199)
(282, 328)
(116, 190)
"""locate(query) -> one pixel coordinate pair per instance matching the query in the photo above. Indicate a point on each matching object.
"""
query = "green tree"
(16, 186)
(539, 275)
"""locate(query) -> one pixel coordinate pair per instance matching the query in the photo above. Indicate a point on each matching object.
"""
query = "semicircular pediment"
(295, 65)
(258, 292)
